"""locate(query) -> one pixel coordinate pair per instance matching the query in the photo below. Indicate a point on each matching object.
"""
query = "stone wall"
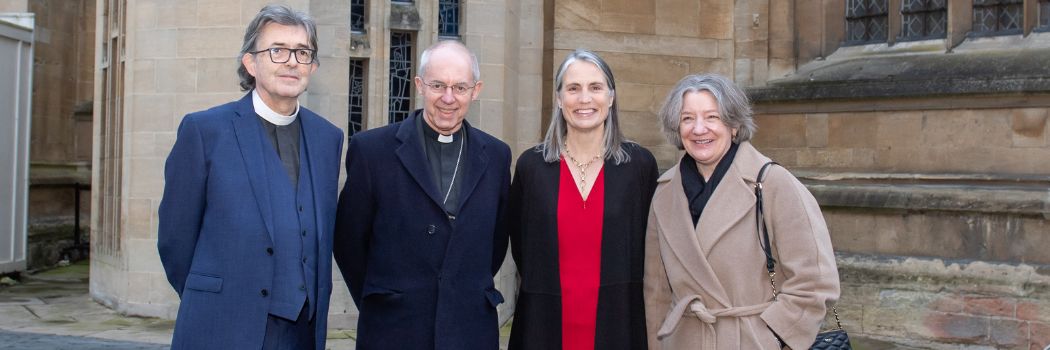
(60, 152)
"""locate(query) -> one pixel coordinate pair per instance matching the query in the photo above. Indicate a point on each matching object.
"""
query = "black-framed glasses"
(438, 87)
(283, 54)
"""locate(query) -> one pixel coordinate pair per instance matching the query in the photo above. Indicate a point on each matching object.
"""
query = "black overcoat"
(533, 221)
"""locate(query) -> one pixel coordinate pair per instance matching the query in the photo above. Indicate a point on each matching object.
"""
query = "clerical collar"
(270, 115)
(433, 134)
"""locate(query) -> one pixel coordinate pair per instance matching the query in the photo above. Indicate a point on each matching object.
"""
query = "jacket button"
(431, 229)
(304, 233)
(269, 251)
(264, 292)
(302, 287)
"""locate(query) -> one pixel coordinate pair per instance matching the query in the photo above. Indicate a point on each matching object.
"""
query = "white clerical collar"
(446, 138)
(269, 115)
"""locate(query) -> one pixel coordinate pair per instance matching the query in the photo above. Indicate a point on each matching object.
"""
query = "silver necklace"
(454, 172)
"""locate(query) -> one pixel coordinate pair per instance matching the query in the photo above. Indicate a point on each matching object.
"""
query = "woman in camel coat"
(705, 283)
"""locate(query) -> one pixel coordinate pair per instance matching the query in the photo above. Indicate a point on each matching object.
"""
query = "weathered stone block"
(1034, 310)
(989, 306)
(1039, 335)
(1008, 334)
(677, 18)
(151, 112)
(955, 328)
(176, 75)
(177, 14)
(817, 130)
(157, 43)
(1030, 127)
(628, 23)
(718, 19)
(145, 179)
(577, 14)
(219, 14)
(141, 212)
(209, 42)
(218, 75)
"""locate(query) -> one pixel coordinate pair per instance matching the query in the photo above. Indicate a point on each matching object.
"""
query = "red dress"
(579, 258)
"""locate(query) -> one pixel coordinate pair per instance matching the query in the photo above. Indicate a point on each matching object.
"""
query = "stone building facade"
(921, 126)
(60, 152)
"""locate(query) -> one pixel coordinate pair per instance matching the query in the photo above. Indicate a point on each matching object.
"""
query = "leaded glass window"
(866, 21)
(448, 18)
(997, 17)
(356, 100)
(924, 19)
(357, 16)
(1044, 14)
(400, 76)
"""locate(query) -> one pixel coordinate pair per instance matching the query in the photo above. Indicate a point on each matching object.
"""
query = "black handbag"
(834, 339)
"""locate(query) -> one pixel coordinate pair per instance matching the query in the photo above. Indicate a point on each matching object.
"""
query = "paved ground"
(52, 310)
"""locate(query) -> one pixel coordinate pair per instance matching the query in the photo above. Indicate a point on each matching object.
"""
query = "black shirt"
(285, 140)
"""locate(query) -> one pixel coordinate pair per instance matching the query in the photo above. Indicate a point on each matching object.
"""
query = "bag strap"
(763, 236)
(763, 231)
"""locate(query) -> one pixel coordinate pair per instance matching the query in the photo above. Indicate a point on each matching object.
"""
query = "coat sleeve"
(514, 207)
(500, 241)
(182, 205)
(805, 260)
(353, 222)
(656, 288)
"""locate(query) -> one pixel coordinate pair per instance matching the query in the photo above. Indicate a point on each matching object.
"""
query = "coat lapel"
(731, 202)
(477, 162)
(412, 157)
(246, 126)
(676, 225)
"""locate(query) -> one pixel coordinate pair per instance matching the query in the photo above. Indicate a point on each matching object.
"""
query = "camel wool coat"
(706, 287)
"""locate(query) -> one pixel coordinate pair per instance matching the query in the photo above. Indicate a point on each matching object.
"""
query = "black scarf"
(697, 191)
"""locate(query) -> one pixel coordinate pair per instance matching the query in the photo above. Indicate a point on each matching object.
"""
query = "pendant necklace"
(582, 167)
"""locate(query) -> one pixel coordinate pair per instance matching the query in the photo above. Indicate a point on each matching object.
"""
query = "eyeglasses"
(438, 87)
(282, 55)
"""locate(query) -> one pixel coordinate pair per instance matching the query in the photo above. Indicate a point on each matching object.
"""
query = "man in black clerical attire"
(418, 235)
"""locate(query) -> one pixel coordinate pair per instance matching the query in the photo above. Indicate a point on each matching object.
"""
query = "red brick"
(1033, 310)
(1008, 334)
(990, 306)
(956, 328)
(1039, 335)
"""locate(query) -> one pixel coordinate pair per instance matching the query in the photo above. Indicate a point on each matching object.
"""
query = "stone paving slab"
(37, 341)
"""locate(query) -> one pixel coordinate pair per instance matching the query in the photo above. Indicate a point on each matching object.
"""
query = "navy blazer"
(420, 279)
(215, 231)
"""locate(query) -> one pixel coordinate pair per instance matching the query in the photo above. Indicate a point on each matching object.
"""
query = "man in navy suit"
(249, 203)
(417, 232)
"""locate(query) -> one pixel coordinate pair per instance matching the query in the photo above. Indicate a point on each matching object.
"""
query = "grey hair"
(733, 106)
(424, 59)
(279, 14)
(613, 140)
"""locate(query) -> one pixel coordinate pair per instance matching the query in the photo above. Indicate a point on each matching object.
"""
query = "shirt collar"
(270, 115)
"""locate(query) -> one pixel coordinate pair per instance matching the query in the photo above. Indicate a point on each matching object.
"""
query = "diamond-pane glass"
(400, 76)
(356, 100)
(1010, 17)
(448, 18)
(923, 19)
(357, 16)
(997, 17)
(866, 21)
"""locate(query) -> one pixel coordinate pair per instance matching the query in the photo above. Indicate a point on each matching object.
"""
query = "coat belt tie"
(696, 306)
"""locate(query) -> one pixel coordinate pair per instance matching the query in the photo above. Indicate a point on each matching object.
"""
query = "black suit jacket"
(533, 222)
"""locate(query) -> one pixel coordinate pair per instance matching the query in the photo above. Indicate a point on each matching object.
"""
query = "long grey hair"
(554, 141)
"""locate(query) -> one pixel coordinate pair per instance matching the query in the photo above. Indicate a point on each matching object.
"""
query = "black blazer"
(533, 225)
